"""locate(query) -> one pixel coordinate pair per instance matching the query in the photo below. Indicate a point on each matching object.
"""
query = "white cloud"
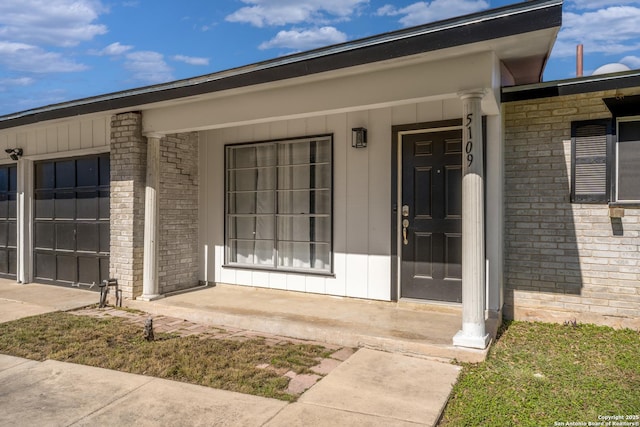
(613, 30)
(18, 81)
(191, 60)
(597, 4)
(50, 22)
(148, 67)
(423, 12)
(262, 13)
(305, 39)
(29, 58)
(632, 62)
(8, 83)
(115, 49)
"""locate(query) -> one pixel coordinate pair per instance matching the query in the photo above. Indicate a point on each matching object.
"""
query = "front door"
(431, 215)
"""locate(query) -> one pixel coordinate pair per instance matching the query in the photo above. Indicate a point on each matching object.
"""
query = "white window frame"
(275, 266)
(617, 158)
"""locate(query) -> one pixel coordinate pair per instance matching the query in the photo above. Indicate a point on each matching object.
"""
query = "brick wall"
(178, 234)
(563, 260)
(128, 168)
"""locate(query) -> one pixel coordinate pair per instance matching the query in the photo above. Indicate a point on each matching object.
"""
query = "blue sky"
(58, 50)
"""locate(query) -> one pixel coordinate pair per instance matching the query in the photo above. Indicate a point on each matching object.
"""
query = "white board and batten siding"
(64, 139)
(361, 198)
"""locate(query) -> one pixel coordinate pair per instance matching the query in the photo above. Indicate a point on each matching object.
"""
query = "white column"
(473, 332)
(150, 288)
(24, 218)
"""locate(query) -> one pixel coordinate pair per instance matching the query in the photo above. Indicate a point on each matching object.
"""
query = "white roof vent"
(611, 68)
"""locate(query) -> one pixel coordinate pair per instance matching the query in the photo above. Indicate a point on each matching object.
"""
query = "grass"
(115, 343)
(540, 374)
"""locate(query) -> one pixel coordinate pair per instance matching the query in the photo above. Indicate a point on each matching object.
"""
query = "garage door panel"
(4, 205)
(105, 238)
(65, 236)
(4, 260)
(4, 179)
(104, 268)
(45, 179)
(13, 262)
(44, 235)
(45, 266)
(65, 174)
(88, 270)
(87, 170)
(4, 232)
(88, 237)
(66, 268)
(65, 205)
(104, 210)
(44, 205)
(87, 205)
(12, 234)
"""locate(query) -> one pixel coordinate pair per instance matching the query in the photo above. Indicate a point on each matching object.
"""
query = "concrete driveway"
(17, 301)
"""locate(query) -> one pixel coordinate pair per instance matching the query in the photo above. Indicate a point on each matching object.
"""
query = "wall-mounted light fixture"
(358, 137)
(14, 153)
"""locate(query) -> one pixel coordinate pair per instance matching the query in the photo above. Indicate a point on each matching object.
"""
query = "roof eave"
(512, 20)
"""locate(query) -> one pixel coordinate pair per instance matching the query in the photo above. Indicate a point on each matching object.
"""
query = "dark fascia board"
(571, 86)
(493, 24)
(624, 105)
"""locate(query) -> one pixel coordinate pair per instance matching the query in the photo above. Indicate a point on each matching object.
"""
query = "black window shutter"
(591, 143)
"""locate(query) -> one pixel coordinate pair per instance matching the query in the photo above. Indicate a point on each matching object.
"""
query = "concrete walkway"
(372, 387)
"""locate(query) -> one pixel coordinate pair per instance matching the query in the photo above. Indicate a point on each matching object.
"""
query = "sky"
(53, 51)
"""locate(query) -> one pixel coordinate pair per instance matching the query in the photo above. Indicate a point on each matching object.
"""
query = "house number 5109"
(469, 147)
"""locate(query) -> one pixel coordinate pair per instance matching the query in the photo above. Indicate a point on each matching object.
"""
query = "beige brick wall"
(178, 198)
(128, 168)
(178, 241)
(563, 260)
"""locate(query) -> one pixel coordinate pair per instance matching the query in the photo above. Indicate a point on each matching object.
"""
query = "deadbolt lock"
(405, 210)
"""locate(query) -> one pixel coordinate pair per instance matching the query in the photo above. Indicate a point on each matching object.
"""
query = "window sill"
(280, 270)
(630, 205)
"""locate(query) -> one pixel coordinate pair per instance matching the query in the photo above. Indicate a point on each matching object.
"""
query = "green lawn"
(539, 374)
(115, 343)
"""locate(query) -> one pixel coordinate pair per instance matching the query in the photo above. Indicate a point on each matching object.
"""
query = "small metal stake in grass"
(148, 329)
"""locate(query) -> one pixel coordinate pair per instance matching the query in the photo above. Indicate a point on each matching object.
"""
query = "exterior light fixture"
(359, 137)
(14, 153)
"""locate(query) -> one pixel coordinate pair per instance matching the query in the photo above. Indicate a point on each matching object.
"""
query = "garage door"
(8, 233)
(71, 221)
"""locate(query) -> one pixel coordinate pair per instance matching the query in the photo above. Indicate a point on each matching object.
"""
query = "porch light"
(359, 137)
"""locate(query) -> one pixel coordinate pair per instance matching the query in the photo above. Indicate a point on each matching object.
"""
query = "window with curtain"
(279, 204)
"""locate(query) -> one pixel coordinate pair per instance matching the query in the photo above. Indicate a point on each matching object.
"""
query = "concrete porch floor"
(412, 328)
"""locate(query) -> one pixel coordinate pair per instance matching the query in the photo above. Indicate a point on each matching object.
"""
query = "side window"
(628, 160)
(591, 145)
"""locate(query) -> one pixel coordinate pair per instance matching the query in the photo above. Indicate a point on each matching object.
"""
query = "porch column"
(473, 332)
(150, 289)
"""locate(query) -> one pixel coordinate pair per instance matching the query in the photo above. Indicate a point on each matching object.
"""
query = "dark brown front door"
(431, 216)
(71, 221)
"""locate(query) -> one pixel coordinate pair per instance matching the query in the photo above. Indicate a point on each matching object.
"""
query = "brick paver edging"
(298, 383)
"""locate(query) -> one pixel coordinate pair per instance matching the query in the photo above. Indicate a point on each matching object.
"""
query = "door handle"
(405, 225)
